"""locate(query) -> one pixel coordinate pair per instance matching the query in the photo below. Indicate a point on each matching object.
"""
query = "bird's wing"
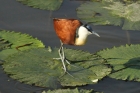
(66, 29)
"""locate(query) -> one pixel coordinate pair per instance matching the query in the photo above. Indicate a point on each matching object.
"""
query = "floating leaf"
(4, 44)
(38, 67)
(96, 13)
(111, 13)
(43, 4)
(70, 91)
(123, 1)
(130, 13)
(125, 61)
(17, 42)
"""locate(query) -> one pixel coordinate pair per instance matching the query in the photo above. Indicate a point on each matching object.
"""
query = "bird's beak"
(95, 33)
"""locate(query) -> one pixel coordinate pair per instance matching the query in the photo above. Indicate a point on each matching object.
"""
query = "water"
(38, 23)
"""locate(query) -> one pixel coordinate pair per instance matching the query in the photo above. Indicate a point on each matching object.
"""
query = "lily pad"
(129, 12)
(111, 13)
(4, 44)
(70, 91)
(95, 13)
(18, 42)
(43, 4)
(37, 67)
(125, 61)
(122, 1)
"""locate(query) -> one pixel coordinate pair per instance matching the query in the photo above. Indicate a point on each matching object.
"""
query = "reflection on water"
(38, 23)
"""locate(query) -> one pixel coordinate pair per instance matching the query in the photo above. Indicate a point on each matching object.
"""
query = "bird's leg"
(62, 56)
(61, 53)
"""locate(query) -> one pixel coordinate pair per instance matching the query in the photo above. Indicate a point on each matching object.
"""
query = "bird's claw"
(66, 61)
(66, 72)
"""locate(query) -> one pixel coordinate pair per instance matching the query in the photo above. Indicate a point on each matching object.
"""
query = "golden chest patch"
(80, 41)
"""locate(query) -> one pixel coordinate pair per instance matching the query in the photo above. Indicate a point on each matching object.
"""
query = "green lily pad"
(18, 42)
(129, 12)
(95, 13)
(122, 1)
(43, 4)
(125, 61)
(37, 66)
(111, 13)
(70, 91)
(4, 44)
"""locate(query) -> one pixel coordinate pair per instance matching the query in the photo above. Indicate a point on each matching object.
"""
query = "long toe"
(70, 63)
(66, 72)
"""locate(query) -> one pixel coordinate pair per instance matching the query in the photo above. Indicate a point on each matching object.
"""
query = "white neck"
(83, 34)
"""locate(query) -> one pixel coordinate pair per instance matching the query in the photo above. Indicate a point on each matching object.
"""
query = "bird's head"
(82, 34)
(86, 30)
(90, 30)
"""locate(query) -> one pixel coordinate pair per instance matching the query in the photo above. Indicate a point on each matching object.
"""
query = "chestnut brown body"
(66, 29)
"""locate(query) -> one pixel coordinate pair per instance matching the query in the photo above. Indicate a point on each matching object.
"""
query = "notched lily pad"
(111, 13)
(130, 14)
(43, 4)
(95, 13)
(125, 61)
(16, 42)
(37, 66)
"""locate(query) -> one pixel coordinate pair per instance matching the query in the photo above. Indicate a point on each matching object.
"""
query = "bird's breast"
(80, 42)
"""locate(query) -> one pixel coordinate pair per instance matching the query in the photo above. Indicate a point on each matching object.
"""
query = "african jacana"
(71, 32)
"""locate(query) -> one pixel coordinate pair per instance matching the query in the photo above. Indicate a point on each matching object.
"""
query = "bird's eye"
(88, 28)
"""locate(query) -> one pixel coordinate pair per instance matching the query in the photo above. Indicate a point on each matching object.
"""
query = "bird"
(71, 32)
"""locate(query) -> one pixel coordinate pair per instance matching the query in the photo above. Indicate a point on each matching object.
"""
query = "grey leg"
(63, 59)
(62, 56)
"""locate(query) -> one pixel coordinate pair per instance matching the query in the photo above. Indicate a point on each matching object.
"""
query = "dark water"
(38, 23)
